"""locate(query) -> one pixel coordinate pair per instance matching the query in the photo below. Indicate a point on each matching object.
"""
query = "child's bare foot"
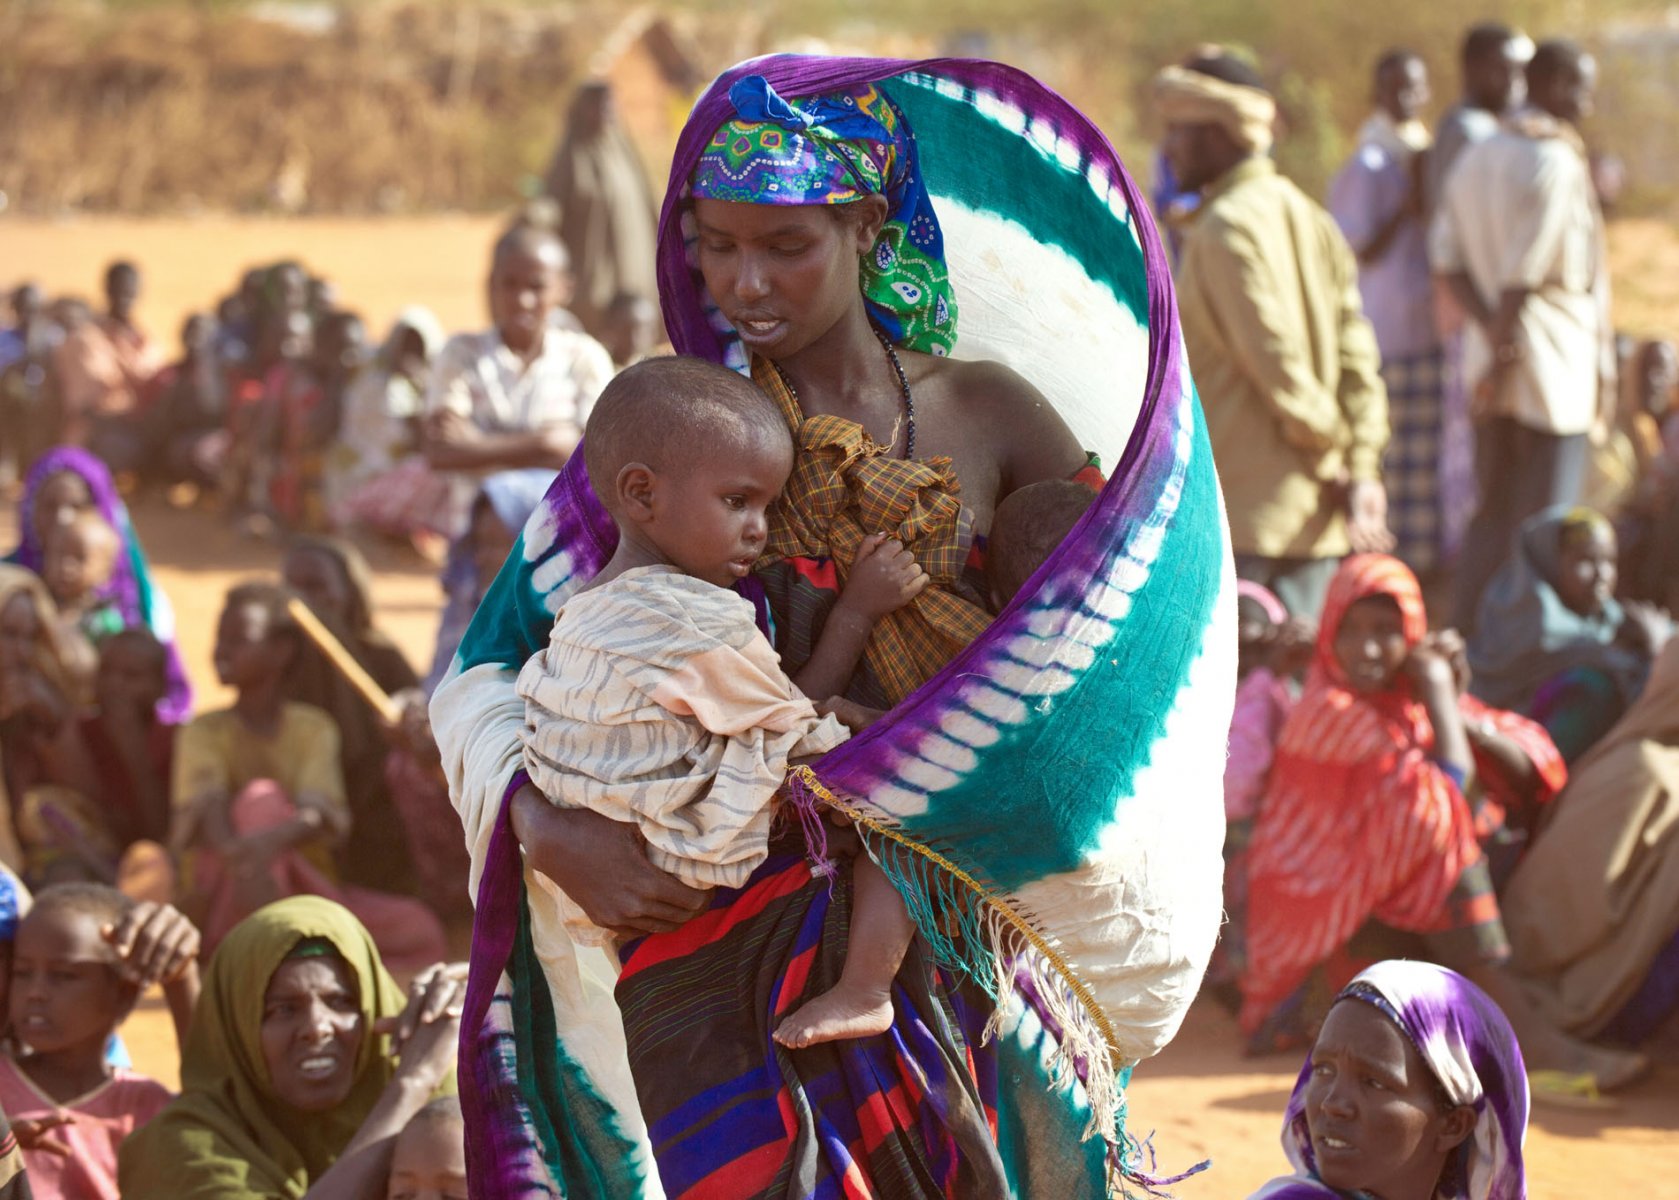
(836, 1015)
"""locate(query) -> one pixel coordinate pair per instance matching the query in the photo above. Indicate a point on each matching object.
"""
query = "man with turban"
(1285, 363)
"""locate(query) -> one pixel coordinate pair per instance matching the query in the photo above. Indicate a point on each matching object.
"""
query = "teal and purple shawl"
(1050, 803)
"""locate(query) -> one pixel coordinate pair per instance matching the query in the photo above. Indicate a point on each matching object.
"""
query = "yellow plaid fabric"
(845, 486)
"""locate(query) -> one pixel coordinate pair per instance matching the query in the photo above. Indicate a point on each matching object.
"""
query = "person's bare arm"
(883, 579)
(1030, 440)
(155, 943)
(1469, 298)
(452, 443)
(602, 865)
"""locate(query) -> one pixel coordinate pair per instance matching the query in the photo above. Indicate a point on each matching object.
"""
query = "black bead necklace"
(903, 386)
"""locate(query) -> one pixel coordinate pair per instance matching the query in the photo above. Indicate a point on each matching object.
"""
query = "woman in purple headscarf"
(1415, 1090)
(63, 484)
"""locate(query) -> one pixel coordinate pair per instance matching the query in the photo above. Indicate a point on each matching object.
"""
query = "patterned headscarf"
(838, 148)
(1471, 1050)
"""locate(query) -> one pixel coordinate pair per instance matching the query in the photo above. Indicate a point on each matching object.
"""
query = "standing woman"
(62, 485)
(800, 242)
(608, 219)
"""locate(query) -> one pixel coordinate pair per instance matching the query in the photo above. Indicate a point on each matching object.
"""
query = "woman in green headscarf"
(288, 1086)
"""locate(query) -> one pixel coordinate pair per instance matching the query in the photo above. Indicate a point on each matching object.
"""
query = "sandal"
(1564, 1089)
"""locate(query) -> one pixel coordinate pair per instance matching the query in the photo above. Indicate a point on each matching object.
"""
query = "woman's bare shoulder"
(993, 391)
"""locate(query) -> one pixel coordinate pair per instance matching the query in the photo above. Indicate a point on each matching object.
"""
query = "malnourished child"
(658, 702)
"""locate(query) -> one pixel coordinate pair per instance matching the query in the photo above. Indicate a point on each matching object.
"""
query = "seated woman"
(1553, 642)
(1414, 1090)
(800, 244)
(1593, 910)
(1366, 834)
(301, 1068)
(63, 485)
(333, 579)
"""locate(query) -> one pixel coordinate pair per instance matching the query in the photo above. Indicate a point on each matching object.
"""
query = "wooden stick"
(340, 658)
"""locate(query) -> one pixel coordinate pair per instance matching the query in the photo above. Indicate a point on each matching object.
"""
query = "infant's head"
(688, 456)
(429, 1160)
(79, 558)
(1028, 526)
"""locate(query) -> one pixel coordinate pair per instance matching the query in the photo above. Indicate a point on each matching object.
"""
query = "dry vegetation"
(140, 106)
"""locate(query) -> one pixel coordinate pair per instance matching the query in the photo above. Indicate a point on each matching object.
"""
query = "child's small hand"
(155, 943)
(884, 578)
(35, 1134)
(852, 715)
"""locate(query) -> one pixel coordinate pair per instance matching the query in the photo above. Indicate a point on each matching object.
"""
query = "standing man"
(1285, 363)
(1377, 199)
(1519, 241)
(1494, 62)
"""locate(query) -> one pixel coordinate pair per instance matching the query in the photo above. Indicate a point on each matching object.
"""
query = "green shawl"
(226, 1137)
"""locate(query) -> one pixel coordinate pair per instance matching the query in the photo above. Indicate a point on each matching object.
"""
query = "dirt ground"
(1201, 1098)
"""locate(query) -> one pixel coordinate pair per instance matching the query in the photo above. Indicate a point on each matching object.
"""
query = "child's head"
(1370, 643)
(340, 343)
(197, 331)
(1259, 615)
(66, 991)
(79, 558)
(630, 328)
(530, 276)
(1587, 561)
(133, 672)
(688, 456)
(257, 639)
(122, 289)
(429, 1161)
(1658, 375)
(1028, 526)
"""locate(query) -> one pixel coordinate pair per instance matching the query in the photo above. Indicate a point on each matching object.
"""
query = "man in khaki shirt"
(1285, 363)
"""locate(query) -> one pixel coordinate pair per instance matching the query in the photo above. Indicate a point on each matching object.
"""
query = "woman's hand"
(602, 865)
(883, 578)
(1431, 671)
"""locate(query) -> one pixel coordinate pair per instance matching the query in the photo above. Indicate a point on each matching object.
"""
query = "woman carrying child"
(1366, 833)
(1552, 640)
(64, 485)
(302, 1066)
(800, 245)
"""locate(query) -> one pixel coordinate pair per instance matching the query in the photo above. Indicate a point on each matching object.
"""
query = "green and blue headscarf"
(837, 148)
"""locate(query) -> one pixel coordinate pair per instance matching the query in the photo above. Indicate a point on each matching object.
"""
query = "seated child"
(113, 792)
(68, 994)
(656, 682)
(257, 802)
(429, 1160)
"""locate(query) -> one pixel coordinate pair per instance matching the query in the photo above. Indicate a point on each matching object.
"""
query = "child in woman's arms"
(658, 702)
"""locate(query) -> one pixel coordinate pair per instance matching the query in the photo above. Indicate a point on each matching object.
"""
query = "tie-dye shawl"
(1472, 1051)
(1054, 793)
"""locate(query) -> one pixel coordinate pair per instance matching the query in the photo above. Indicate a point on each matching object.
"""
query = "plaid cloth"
(845, 487)
(1411, 466)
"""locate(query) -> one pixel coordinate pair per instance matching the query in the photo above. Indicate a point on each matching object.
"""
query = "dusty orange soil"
(1201, 1097)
